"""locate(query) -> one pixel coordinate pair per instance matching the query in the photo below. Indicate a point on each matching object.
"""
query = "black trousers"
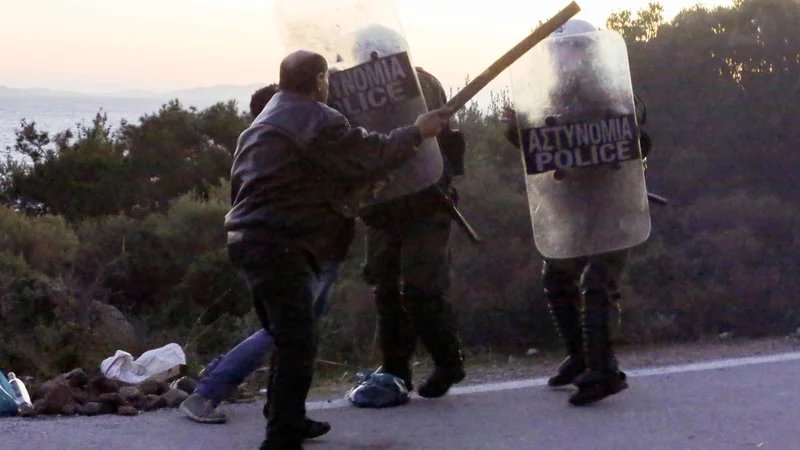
(279, 277)
(408, 262)
(579, 293)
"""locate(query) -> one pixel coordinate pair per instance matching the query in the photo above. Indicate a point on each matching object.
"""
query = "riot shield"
(579, 139)
(374, 83)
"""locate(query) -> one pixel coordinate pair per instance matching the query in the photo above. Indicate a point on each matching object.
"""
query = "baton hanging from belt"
(457, 216)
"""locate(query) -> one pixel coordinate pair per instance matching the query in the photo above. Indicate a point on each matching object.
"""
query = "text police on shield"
(373, 85)
(577, 145)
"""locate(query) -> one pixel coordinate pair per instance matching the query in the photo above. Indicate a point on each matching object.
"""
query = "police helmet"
(377, 41)
(573, 27)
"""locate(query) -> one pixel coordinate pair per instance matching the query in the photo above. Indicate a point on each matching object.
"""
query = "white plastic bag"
(123, 367)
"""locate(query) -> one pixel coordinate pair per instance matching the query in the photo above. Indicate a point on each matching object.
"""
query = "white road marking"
(535, 382)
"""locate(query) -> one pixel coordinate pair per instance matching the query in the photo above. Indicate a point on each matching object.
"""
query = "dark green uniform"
(579, 293)
(408, 263)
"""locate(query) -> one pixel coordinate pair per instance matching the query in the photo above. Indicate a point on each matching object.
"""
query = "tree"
(142, 166)
(85, 178)
(179, 150)
(641, 28)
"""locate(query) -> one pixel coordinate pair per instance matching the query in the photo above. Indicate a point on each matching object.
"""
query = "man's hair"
(261, 97)
(300, 78)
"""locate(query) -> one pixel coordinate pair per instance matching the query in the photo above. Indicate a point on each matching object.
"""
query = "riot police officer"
(580, 290)
(408, 232)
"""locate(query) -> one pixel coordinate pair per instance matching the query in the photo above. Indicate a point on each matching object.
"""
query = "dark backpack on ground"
(378, 390)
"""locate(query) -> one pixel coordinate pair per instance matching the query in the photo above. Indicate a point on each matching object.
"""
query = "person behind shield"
(291, 173)
(579, 291)
(407, 249)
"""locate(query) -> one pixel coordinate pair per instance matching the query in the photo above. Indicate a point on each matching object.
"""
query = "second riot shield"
(374, 84)
(580, 145)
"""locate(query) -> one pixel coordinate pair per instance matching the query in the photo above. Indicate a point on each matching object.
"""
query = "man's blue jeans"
(227, 372)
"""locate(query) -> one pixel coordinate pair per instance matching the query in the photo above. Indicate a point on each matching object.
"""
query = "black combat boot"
(397, 337)
(436, 325)
(566, 316)
(440, 381)
(563, 301)
(603, 377)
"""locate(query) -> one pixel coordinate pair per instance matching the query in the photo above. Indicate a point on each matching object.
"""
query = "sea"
(56, 114)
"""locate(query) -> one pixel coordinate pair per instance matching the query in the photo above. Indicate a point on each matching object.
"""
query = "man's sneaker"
(568, 371)
(440, 381)
(202, 410)
(594, 386)
(315, 429)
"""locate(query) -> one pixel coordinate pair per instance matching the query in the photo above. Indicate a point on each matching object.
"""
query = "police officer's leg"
(280, 281)
(397, 338)
(598, 284)
(560, 282)
(425, 268)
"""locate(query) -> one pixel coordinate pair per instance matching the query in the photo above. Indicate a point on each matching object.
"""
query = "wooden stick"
(470, 90)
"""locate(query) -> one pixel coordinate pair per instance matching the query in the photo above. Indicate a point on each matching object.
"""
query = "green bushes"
(46, 244)
(141, 227)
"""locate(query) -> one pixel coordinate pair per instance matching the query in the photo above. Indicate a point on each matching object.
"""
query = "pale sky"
(108, 45)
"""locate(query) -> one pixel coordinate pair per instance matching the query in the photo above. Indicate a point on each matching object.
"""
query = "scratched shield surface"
(372, 77)
(580, 145)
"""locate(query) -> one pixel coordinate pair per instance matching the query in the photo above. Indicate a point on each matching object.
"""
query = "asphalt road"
(726, 404)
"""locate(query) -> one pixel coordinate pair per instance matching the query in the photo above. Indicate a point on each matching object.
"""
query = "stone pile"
(78, 393)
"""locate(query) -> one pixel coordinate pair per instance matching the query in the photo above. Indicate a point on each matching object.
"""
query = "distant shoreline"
(56, 111)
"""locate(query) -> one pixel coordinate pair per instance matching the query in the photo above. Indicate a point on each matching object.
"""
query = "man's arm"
(356, 154)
